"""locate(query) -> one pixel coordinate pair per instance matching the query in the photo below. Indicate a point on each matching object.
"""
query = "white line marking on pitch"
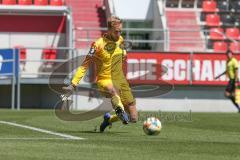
(42, 130)
(28, 138)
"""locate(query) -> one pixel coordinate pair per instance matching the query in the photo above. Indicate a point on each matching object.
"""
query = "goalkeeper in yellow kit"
(108, 55)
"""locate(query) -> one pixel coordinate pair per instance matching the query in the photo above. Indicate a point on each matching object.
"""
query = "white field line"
(66, 136)
(33, 138)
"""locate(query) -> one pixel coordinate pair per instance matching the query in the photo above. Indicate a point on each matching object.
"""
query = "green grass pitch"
(195, 136)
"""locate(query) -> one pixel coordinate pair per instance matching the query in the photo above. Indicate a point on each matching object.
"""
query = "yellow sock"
(113, 118)
(116, 102)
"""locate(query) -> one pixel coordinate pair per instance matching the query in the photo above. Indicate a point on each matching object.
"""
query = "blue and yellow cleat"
(122, 115)
(105, 122)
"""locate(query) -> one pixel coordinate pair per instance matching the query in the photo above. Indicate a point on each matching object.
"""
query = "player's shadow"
(69, 132)
(106, 132)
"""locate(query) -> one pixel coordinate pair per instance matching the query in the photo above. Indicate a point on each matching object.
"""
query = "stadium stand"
(237, 20)
(209, 6)
(30, 29)
(49, 54)
(227, 19)
(23, 52)
(87, 14)
(217, 33)
(187, 3)
(232, 33)
(35, 2)
(9, 2)
(41, 2)
(223, 6)
(222, 22)
(199, 3)
(235, 47)
(220, 46)
(172, 3)
(178, 23)
(213, 20)
(57, 2)
(235, 5)
(25, 2)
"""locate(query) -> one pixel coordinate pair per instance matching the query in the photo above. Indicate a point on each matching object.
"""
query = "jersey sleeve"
(84, 66)
(124, 54)
(235, 63)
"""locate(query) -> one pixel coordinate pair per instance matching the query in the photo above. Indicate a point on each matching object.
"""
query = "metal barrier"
(152, 44)
(127, 32)
(41, 72)
(160, 42)
(8, 72)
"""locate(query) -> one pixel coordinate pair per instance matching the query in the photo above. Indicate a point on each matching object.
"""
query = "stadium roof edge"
(7, 9)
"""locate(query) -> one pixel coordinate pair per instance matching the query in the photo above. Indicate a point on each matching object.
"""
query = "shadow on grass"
(94, 132)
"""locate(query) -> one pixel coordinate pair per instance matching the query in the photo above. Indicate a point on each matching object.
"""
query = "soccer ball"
(152, 126)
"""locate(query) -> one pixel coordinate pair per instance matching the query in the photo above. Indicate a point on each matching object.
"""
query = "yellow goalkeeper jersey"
(232, 65)
(108, 58)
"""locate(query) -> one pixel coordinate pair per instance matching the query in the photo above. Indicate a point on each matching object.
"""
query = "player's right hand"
(68, 91)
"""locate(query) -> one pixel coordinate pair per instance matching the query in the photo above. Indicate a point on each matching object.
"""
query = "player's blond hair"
(113, 21)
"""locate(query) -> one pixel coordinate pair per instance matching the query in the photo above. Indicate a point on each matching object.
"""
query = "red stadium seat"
(209, 6)
(220, 46)
(41, 2)
(25, 2)
(213, 20)
(56, 2)
(232, 33)
(9, 2)
(22, 51)
(23, 56)
(217, 34)
(235, 47)
(49, 54)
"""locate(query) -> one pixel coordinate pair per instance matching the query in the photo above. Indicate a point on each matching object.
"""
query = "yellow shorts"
(122, 86)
